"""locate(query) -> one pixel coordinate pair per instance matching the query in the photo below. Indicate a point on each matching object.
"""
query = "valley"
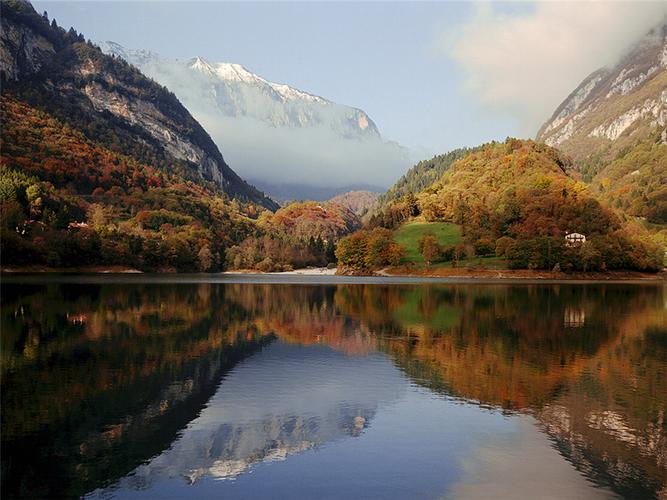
(333, 250)
(103, 168)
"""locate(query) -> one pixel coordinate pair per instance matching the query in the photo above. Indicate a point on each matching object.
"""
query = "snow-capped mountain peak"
(273, 131)
(232, 72)
(201, 65)
(237, 91)
(225, 71)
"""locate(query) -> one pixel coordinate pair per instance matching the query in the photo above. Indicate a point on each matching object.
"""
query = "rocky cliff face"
(276, 135)
(107, 99)
(614, 126)
(614, 107)
(234, 91)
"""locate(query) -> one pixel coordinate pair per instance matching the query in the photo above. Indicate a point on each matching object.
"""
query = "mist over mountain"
(614, 126)
(286, 192)
(274, 133)
(614, 106)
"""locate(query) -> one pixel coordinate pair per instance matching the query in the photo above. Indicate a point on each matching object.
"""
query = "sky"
(432, 75)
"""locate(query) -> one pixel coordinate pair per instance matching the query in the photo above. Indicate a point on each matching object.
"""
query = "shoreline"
(292, 278)
(526, 274)
(36, 274)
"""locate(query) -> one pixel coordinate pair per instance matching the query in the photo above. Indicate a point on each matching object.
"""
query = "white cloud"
(527, 62)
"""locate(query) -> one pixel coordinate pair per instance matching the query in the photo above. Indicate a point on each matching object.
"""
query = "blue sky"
(420, 70)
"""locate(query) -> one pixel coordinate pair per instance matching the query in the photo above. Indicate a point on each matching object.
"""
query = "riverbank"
(325, 275)
(74, 270)
(523, 274)
(308, 271)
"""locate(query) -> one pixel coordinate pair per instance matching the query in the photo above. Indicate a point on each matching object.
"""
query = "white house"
(574, 239)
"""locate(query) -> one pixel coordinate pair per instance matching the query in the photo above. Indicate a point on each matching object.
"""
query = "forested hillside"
(107, 100)
(360, 202)
(635, 182)
(516, 199)
(419, 177)
(69, 202)
(298, 235)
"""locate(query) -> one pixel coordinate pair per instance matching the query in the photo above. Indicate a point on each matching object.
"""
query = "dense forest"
(108, 100)
(419, 177)
(67, 202)
(298, 235)
(635, 182)
(516, 199)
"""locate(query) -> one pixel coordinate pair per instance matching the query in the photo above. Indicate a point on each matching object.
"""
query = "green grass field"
(408, 237)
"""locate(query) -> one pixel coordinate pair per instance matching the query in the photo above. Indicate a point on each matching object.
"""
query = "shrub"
(484, 246)
(502, 244)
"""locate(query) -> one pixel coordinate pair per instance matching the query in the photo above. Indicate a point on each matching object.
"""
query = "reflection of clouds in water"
(289, 399)
(521, 465)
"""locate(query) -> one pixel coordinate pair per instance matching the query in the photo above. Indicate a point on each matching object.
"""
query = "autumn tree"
(429, 248)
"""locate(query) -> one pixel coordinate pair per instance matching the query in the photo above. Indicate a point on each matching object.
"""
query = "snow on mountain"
(271, 131)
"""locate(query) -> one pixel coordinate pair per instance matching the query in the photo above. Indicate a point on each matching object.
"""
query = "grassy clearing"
(408, 236)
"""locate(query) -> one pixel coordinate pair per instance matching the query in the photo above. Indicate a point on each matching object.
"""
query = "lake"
(140, 387)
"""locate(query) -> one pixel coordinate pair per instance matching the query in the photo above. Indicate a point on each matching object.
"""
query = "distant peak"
(130, 55)
(237, 72)
(200, 64)
(111, 47)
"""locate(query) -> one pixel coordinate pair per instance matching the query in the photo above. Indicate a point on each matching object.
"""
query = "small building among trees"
(574, 239)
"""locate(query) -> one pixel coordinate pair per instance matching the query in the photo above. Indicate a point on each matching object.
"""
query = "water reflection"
(268, 410)
(132, 387)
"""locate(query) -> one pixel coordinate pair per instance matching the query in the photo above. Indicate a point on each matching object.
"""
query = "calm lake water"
(247, 390)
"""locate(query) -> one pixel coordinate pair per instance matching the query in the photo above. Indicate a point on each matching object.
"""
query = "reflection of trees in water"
(598, 389)
(85, 401)
(588, 361)
(125, 367)
(305, 315)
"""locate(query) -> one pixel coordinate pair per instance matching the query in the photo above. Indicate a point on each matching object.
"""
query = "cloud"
(314, 155)
(527, 61)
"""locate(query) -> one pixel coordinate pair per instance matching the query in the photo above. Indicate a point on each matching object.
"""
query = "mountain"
(100, 166)
(614, 127)
(111, 102)
(359, 202)
(614, 107)
(285, 193)
(273, 133)
(239, 92)
(518, 199)
(419, 177)
(69, 202)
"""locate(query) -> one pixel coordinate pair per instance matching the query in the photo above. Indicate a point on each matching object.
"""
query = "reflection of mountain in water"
(85, 402)
(612, 423)
(98, 379)
(289, 399)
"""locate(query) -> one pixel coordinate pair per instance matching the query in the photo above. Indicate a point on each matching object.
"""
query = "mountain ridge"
(614, 106)
(110, 101)
(614, 126)
(237, 73)
(272, 131)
